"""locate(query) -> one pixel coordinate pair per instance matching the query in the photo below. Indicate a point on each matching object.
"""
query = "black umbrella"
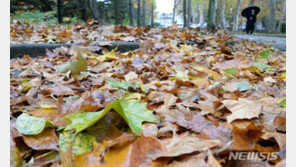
(247, 11)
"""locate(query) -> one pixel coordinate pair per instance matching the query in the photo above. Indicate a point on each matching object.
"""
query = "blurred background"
(153, 13)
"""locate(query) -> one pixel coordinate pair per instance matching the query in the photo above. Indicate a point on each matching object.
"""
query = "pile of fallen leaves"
(165, 104)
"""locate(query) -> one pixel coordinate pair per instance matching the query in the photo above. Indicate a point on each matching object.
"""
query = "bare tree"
(272, 21)
(216, 11)
(211, 15)
(184, 14)
(144, 13)
(204, 13)
(236, 14)
(131, 11)
(283, 17)
(189, 17)
(176, 3)
(152, 15)
(198, 15)
(139, 13)
(60, 10)
(222, 15)
(94, 7)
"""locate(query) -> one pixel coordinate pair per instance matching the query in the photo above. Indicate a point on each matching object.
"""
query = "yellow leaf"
(214, 74)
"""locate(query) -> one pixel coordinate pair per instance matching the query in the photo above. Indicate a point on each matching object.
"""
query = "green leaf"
(120, 84)
(81, 121)
(81, 143)
(283, 103)
(266, 54)
(76, 66)
(126, 85)
(230, 71)
(30, 125)
(243, 86)
(133, 112)
(262, 67)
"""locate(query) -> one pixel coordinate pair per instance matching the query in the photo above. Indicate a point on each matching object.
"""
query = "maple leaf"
(80, 121)
(242, 109)
(133, 112)
(75, 67)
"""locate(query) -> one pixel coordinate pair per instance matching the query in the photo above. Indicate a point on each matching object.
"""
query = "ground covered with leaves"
(164, 104)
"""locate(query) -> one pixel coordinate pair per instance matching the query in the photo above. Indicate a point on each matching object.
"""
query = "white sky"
(164, 6)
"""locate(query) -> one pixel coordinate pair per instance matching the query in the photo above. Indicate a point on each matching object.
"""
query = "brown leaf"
(245, 138)
(185, 144)
(46, 140)
(242, 109)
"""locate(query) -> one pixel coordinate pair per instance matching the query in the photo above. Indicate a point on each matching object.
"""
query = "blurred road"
(276, 42)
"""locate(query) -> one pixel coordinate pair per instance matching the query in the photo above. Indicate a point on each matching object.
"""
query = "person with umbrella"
(250, 13)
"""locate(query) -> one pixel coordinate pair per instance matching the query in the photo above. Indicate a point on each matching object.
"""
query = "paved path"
(277, 42)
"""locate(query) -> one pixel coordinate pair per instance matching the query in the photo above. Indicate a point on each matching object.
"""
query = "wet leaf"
(245, 138)
(133, 112)
(242, 109)
(30, 125)
(187, 144)
(46, 140)
(75, 67)
(81, 143)
(82, 120)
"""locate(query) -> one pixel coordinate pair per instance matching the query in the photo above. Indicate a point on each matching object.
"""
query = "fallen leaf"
(80, 143)
(46, 140)
(245, 138)
(186, 144)
(242, 109)
(30, 125)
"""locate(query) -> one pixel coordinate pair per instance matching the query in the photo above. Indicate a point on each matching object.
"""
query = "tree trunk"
(152, 15)
(211, 15)
(216, 12)
(204, 14)
(189, 17)
(60, 10)
(118, 19)
(184, 14)
(283, 17)
(174, 11)
(198, 15)
(222, 19)
(82, 3)
(144, 13)
(94, 7)
(251, 2)
(236, 14)
(176, 3)
(139, 13)
(272, 21)
(131, 12)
